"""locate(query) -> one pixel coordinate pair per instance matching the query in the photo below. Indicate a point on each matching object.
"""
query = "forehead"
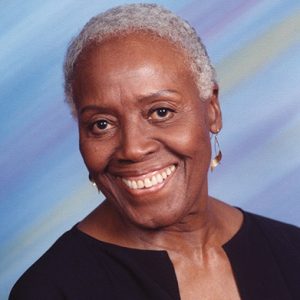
(132, 48)
(132, 63)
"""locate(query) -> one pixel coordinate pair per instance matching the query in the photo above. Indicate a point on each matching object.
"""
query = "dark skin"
(139, 112)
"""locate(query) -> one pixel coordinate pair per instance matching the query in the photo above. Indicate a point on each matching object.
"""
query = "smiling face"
(144, 132)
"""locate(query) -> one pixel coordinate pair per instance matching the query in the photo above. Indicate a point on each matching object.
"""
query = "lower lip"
(150, 189)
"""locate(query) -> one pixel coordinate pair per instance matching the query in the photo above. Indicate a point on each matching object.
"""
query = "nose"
(137, 142)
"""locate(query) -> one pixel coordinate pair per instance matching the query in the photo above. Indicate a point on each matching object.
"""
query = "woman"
(143, 91)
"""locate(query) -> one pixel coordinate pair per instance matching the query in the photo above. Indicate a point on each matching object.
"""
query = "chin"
(153, 218)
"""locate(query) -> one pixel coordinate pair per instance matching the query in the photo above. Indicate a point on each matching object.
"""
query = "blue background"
(44, 189)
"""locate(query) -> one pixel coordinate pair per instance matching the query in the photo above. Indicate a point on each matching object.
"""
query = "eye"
(161, 113)
(100, 126)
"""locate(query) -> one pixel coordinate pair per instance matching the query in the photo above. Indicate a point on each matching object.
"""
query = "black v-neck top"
(264, 255)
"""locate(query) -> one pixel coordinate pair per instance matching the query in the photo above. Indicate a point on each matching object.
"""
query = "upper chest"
(205, 276)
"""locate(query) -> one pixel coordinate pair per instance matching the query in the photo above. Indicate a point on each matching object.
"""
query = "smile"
(150, 180)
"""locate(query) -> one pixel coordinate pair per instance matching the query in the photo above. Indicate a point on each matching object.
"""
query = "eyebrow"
(156, 95)
(143, 98)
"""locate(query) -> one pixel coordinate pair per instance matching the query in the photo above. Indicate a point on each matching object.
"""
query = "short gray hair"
(141, 17)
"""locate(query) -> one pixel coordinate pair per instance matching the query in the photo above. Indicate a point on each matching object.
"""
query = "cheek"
(189, 139)
(95, 154)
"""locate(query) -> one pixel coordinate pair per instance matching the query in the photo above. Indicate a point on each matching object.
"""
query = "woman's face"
(144, 132)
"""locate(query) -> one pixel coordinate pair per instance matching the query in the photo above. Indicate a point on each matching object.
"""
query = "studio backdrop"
(44, 186)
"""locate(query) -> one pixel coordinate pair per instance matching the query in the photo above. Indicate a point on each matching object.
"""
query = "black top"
(264, 255)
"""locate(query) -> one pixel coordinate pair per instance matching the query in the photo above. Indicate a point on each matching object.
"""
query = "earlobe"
(214, 111)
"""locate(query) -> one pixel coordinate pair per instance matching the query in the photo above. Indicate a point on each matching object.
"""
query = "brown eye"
(161, 113)
(101, 124)
(100, 127)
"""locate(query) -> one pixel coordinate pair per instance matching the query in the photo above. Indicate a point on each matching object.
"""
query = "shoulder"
(283, 242)
(58, 271)
(265, 255)
(277, 232)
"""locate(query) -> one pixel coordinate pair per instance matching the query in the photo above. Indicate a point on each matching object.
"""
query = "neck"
(211, 225)
(198, 229)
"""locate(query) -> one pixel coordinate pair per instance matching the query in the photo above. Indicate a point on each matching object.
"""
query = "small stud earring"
(92, 180)
(216, 161)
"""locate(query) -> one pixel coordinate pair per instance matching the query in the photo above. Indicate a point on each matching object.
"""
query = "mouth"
(150, 180)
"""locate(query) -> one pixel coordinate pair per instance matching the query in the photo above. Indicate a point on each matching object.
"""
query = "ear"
(214, 111)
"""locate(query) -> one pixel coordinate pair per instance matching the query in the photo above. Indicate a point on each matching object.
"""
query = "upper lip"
(134, 172)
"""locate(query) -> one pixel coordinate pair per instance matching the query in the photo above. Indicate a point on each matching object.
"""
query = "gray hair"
(152, 18)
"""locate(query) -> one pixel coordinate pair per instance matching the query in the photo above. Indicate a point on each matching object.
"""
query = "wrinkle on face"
(124, 79)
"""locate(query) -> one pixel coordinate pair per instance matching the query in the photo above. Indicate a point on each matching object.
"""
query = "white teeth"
(159, 178)
(153, 180)
(140, 184)
(150, 181)
(125, 181)
(133, 184)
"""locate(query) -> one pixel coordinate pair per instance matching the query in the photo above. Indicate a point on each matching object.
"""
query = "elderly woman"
(142, 88)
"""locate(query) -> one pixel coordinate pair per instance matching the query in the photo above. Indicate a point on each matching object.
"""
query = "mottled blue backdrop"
(44, 190)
